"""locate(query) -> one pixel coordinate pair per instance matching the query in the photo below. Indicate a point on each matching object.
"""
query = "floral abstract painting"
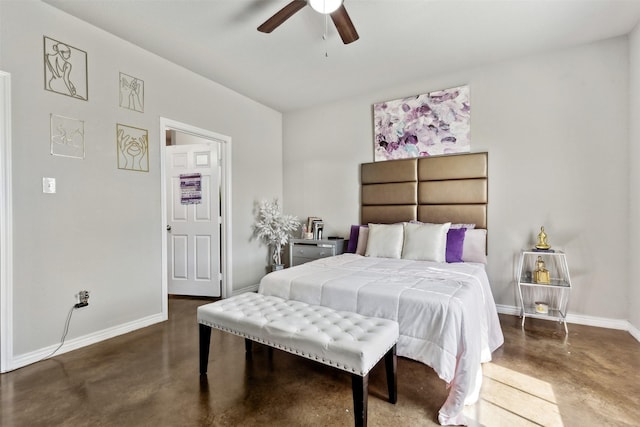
(133, 148)
(423, 125)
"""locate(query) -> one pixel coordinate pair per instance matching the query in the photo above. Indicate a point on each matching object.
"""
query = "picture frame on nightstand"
(310, 221)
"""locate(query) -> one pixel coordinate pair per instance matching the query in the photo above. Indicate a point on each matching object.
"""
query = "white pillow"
(467, 226)
(453, 225)
(474, 248)
(384, 241)
(362, 240)
(425, 242)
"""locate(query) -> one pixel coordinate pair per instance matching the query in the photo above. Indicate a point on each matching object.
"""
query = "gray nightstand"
(305, 250)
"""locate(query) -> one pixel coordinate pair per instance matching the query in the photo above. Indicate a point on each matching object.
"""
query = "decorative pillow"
(425, 242)
(363, 237)
(474, 248)
(467, 226)
(353, 239)
(385, 240)
(455, 242)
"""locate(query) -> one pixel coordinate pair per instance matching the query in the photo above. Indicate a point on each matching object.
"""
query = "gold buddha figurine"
(542, 240)
(541, 274)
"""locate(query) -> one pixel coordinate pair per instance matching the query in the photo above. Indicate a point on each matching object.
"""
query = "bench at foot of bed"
(347, 341)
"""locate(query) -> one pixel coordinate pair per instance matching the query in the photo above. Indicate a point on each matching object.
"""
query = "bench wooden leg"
(360, 399)
(205, 342)
(391, 365)
(248, 348)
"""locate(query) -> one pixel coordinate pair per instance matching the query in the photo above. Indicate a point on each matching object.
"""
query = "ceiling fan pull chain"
(324, 36)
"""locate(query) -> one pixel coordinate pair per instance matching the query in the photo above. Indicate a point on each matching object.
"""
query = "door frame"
(6, 227)
(225, 202)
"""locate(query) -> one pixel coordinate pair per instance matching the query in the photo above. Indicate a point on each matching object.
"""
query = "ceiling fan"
(334, 8)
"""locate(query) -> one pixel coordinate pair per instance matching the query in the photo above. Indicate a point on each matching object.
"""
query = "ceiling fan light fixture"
(325, 6)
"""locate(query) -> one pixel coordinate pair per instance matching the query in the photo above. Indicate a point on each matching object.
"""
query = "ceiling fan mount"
(334, 8)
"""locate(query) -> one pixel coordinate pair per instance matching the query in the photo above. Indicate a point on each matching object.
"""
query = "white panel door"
(193, 228)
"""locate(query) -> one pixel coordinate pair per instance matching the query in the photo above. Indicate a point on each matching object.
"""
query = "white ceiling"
(400, 40)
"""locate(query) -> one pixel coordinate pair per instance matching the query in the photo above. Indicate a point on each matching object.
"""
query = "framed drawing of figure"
(133, 148)
(131, 93)
(65, 69)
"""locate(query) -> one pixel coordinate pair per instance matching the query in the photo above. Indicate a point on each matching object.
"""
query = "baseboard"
(79, 342)
(250, 288)
(580, 319)
(508, 309)
(601, 322)
(635, 332)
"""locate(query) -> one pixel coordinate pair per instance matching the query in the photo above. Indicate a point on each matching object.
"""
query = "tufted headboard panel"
(428, 189)
(389, 191)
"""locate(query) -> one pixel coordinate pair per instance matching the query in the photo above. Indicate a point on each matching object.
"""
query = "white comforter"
(447, 315)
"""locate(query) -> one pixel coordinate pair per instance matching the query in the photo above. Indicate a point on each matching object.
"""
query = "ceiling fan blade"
(344, 25)
(281, 16)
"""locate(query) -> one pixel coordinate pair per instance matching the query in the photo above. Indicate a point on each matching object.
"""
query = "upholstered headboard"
(429, 189)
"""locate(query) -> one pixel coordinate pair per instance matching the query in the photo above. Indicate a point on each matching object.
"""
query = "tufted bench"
(347, 341)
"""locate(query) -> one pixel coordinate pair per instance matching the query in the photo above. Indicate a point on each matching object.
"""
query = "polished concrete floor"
(150, 378)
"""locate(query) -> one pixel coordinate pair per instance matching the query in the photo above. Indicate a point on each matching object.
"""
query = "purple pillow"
(455, 242)
(353, 239)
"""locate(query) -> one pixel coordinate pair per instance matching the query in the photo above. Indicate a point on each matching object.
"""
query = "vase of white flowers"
(273, 228)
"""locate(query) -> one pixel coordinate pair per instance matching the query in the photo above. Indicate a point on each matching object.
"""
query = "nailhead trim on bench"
(295, 351)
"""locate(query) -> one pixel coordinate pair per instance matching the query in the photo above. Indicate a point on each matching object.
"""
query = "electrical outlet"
(83, 299)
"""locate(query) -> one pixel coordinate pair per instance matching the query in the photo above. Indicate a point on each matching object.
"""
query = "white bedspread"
(447, 314)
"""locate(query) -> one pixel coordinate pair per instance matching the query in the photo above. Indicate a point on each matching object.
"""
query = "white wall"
(634, 168)
(556, 130)
(102, 230)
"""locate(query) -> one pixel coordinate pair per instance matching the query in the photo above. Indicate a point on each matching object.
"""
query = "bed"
(401, 268)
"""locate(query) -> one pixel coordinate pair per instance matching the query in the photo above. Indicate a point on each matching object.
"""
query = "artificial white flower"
(274, 227)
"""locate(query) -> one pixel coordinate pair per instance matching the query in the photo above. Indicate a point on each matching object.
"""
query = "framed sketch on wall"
(67, 137)
(423, 125)
(133, 148)
(131, 93)
(65, 69)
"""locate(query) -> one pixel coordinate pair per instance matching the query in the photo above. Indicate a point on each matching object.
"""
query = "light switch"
(48, 185)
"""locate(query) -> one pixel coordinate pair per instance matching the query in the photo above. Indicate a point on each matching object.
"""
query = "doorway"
(196, 254)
